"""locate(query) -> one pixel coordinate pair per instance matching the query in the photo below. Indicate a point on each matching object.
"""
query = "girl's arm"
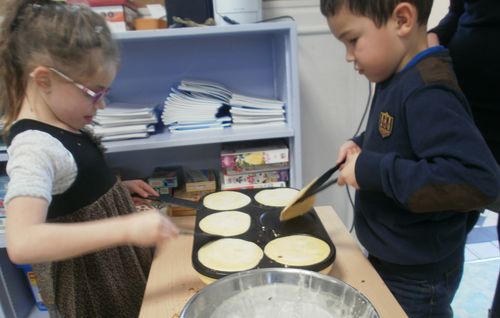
(31, 240)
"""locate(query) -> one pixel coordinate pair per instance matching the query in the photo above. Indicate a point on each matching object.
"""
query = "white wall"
(439, 10)
(333, 96)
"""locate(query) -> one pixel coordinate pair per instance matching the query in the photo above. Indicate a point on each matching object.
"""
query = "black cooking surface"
(265, 226)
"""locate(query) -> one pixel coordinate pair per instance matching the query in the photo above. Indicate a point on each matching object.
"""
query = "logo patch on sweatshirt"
(385, 124)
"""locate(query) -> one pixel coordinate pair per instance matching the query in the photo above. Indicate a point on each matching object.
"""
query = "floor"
(482, 265)
(481, 270)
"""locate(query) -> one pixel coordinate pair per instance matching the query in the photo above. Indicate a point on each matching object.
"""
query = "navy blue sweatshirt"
(471, 31)
(423, 164)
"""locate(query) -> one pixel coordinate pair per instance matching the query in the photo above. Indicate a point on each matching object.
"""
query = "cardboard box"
(200, 180)
(191, 196)
(120, 14)
(149, 24)
(143, 3)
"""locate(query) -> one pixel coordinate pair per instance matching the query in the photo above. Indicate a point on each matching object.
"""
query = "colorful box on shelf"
(164, 178)
(119, 14)
(235, 157)
(239, 186)
(32, 279)
(200, 180)
(256, 177)
(258, 168)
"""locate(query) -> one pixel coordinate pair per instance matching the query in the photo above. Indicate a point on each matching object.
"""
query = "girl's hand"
(140, 187)
(148, 228)
(347, 175)
(345, 148)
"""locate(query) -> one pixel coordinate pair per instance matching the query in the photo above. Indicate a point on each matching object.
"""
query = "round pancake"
(226, 200)
(297, 250)
(227, 223)
(230, 255)
(276, 197)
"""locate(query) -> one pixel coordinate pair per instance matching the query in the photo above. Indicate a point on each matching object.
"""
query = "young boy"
(421, 167)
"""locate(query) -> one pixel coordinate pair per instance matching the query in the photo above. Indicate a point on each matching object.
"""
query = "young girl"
(66, 212)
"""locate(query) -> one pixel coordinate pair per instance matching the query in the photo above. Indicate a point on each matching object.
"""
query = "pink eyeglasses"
(96, 96)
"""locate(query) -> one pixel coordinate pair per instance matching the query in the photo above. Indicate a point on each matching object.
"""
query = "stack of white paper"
(123, 121)
(194, 105)
(199, 105)
(248, 111)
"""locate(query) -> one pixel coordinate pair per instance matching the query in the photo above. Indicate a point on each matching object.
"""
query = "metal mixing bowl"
(278, 293)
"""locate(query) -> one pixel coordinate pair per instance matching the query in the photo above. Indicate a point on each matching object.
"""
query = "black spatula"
(304, 201)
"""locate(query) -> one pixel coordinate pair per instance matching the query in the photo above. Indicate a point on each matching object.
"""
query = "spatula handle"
(320, 184)
(176, 201)
(324, 186)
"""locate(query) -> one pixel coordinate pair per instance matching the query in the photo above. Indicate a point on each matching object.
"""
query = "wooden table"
(172, 280)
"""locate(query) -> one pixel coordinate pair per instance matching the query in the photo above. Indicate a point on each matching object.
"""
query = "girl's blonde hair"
(69, 37)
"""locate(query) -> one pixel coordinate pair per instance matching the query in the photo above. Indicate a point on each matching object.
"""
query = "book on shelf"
(207, 89)
(252, 112)
(187, 109)
(256, 177)
(199, 180)
(197, 101)
(181, 193)
(122, 130)
(238, 186)
(238, 156)
(248, 117)
(4, 180)
(3, 240)
(119, 114)
(187, 131)
(121, 121)
(164, 177)
(247, 127)
(217, 124)
(255, 102)
(125, 137)
(256, 168)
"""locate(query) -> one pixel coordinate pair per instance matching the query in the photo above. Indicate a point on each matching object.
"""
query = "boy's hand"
(148, 228)
(140, 187)
(347, 175)
(347, 146)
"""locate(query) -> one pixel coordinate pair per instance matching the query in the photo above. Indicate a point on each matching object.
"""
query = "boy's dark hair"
(377, 10)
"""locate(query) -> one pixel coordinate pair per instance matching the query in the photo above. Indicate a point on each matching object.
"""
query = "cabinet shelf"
(168, 140)
(258, 60)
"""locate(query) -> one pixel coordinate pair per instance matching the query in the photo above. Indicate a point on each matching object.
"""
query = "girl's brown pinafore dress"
(107, 283)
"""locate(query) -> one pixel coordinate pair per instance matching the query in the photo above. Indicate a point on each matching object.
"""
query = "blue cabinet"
(253, 59)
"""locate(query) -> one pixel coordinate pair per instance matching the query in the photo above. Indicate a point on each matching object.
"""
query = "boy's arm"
(453, 168)
(448, 25)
